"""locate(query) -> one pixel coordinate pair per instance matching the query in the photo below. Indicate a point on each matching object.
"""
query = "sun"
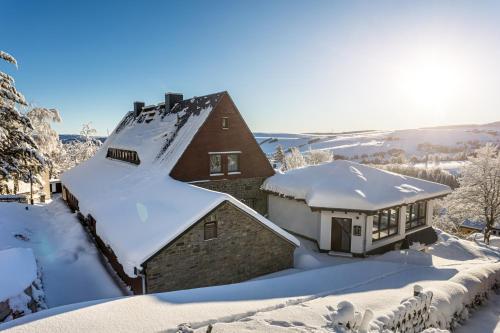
(431, 81)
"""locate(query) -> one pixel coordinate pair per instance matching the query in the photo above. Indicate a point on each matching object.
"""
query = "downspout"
(142, 274)
(364, 240)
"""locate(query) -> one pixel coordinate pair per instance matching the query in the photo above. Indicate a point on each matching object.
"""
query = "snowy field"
(71, 266)
(298, 300)
(370, 142)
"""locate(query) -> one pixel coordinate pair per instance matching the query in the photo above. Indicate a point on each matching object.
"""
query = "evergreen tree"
(19, 155)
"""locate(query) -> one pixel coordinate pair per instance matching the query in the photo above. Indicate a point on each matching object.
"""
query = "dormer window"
(129, 156)
(225, 122)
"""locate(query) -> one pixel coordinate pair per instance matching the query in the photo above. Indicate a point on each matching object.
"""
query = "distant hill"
(66, 138)
(452, 142)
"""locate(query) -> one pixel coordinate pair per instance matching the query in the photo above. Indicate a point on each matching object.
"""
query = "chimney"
(171, 99)
(138, 106)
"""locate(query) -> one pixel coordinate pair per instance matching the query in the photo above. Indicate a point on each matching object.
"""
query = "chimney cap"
(138, 106)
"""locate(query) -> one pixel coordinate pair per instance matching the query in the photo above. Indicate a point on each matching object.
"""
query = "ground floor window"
(416, 214)
(385, 224)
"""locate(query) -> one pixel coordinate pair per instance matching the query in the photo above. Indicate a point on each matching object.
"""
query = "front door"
(341, 234)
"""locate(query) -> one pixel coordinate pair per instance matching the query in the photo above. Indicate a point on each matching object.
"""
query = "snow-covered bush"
(344, 318)
(314, 157)
(294, 159)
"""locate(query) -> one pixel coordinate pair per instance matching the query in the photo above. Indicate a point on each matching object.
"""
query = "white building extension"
(350, 207)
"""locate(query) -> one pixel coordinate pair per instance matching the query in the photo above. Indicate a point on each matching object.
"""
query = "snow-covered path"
(72, 270)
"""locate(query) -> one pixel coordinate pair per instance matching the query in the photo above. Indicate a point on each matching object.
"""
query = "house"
(173, 197)
(349, 207)
(24, 192)
(468, 227)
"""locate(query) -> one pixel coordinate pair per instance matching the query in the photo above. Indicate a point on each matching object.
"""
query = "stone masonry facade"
(246, 190)
(243, 249)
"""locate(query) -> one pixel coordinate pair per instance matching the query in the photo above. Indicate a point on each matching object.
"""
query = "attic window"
(129, 156)
(225, 122)
(210, 230)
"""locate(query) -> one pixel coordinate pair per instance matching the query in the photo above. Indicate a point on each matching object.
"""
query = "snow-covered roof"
(352, 186)
(139, 208)
(478, 224)
(18, 267)
(162, 136)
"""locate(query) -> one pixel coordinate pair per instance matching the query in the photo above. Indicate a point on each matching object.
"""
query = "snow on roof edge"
(297, 184)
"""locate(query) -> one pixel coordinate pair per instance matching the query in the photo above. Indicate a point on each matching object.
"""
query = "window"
(416, 214)
(385, 224)
(225, 122)
(215, 164)
(123, 155)
(233, 162)
(210, 231)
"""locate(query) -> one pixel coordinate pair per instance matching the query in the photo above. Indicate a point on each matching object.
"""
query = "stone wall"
(244, 249)
(30, 301)
(246, 190)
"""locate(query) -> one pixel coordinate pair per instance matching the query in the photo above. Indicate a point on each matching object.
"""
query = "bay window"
(416, 215)
(385, 224)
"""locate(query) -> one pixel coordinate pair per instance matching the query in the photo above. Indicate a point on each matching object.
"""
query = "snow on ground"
(370, 142)
(71, 266)
(20, 265)
(485, 319)
(299, 301)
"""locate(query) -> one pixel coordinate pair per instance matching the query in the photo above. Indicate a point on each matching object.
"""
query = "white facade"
(295, 216)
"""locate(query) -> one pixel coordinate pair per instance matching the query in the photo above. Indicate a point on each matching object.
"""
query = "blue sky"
(290, 66)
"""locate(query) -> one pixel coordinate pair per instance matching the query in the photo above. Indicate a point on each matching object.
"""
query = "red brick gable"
(194, 163)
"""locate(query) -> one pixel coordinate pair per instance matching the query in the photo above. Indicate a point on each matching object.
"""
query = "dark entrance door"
(341, 234)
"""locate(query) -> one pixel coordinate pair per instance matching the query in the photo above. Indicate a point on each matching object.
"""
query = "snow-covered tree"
(294, 159)
(47, 138)
(317, 156)
(19, 155)
(82, 149)
(478, 197)
(279, 155)
(442, 221)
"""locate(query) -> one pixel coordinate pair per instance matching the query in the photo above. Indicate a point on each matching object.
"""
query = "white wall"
(294, 216)
(326, 229)
(297, 217)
